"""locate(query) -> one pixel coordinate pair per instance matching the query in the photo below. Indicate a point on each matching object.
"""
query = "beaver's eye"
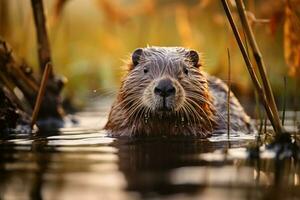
(146, 71)
(186, 71)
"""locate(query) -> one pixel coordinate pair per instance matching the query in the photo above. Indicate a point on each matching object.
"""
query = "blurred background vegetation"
(90, 39)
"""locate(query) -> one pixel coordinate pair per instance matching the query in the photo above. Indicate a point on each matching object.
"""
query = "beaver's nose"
(164, 88)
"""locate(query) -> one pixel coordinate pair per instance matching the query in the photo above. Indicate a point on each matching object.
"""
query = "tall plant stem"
(275, 123)
(228, 94)
(41, 94)
(259, 59)
(44, 52)
(283, 101)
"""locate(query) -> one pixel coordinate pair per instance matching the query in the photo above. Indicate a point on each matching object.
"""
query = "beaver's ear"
(193, 57)
(136, 55)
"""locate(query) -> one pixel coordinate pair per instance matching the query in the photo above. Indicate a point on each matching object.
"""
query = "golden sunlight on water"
(80, 162)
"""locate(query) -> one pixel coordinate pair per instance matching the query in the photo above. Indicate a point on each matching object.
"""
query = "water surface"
(81, 162)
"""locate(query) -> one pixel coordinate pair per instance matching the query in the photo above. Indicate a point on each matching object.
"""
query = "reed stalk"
(275, 123)
(228, 94)
(41, 93)
(283, 101)
(51, 106)
(259, 61)
(44, 52)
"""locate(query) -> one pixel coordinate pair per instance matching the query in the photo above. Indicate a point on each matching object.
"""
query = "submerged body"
(165, 93)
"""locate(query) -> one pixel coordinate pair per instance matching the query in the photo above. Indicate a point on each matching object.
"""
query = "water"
(81, 162)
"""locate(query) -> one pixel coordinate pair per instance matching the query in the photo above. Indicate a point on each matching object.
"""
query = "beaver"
(166, 93)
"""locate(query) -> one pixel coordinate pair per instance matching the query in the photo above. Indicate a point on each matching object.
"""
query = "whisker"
(201, 109)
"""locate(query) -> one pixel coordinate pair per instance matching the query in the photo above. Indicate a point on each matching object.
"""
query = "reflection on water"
(83, 163)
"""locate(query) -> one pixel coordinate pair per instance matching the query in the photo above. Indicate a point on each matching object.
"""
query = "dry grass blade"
(283, 101)
(41, 93)
(260, 63)
(228, 94)
(276, 125)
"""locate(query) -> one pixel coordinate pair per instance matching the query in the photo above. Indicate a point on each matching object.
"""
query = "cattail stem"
(44, 52)
(41, 93)
(283, 101)
(228, 95)
(259, 61)
(276, 124)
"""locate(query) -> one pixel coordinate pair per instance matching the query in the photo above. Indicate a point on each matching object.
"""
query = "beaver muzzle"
(165, 91)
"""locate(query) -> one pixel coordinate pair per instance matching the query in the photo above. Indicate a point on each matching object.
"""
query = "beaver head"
(165, 85)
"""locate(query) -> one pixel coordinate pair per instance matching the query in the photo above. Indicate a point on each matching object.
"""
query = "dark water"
(81, 162)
